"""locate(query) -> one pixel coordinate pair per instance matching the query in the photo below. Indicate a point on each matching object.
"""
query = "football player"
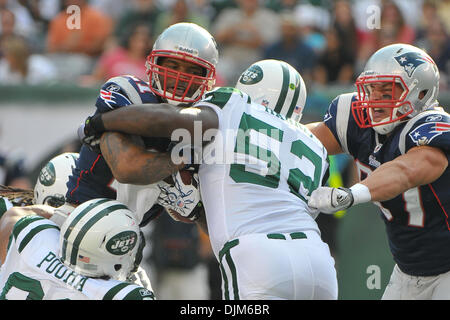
(90, 258)
(31, 232)
(400, 139)
(180, 68)
(255, 179)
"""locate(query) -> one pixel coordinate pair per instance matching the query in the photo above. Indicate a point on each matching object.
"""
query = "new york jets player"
(255, 179)
(96, 249)
(400, 140)
(180, 68)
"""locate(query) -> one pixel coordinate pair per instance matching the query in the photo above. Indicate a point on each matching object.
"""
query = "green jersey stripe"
(5, 205)
(115, 290)
(75, 221)
(284, 89)
(296, 93)
(85, 228)
(33, 232)
(23, 223)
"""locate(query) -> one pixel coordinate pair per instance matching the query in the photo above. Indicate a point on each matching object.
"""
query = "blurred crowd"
(88, 41)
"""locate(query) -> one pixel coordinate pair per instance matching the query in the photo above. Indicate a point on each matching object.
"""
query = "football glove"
(330, 200)
(180, 199)
(90, 132)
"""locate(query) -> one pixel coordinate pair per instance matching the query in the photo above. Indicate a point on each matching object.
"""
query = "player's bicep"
(427, 164)
(324, 134)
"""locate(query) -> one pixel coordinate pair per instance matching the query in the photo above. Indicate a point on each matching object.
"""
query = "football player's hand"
(90, 132)
(180, 199)
(330, 200)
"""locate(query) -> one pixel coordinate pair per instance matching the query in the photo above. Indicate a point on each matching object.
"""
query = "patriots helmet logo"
(411, 60)
(423, 134)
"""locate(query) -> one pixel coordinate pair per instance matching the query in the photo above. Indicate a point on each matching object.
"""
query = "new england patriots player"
(400, 139)
(181, 67)
(255, 178)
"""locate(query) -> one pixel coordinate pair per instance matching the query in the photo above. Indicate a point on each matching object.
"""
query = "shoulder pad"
(338, 116)
(122, 91)
(221, 95)
(430, 128)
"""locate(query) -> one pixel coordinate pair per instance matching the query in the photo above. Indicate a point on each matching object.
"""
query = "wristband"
(360, 193)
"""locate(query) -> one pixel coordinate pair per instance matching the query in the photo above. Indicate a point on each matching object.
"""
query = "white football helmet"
(50, 187)
(410, 68)
(102, 238)
(187, 42)
(277, 85)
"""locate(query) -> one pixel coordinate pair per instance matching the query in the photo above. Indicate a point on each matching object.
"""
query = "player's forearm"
(153, 120)
(420, 166)
(146, 120)
(131, 163)
(388, 181)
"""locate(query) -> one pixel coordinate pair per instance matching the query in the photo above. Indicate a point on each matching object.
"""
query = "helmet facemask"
(384, 112)
(413, 78)
(175, 86)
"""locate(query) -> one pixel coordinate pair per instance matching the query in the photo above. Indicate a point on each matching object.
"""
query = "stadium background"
(41, 109)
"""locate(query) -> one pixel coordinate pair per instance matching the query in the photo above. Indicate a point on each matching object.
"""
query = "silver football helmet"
(101, 238)
(275, 84)
(404, 68)
(50, 187)
(186, 42)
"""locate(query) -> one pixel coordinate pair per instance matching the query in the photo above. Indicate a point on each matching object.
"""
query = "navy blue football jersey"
(92, 178)
(417, 221)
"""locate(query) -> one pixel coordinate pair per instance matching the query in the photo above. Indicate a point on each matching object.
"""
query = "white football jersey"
(33, 270)
(258, 173)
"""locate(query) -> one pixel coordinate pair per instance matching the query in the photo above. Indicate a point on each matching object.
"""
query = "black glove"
(90, 132)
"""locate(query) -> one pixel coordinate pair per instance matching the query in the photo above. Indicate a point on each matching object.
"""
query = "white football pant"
(278, 266)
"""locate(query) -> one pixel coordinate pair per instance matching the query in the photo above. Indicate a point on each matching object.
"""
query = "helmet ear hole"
(422, 94)
(117, 267)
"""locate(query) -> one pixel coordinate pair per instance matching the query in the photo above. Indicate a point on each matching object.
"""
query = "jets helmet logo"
(47, 175)
(122, 243)
(252, 75)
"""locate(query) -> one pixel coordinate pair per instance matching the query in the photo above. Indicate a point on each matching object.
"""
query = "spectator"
(313, 21)
(127, 58)
(179, 11)
(18, 66)
(444, 13)
(393, 29)
(335, 65)
(345, 26)
(437, 45)
(291, 48)
(24, 25)
(89, 39)
(7, 25)
(429, 13)
(141, 12)
(241, 33)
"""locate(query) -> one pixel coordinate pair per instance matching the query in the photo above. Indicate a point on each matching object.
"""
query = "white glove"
(140, 278)
(180, 198)
(330, 200)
